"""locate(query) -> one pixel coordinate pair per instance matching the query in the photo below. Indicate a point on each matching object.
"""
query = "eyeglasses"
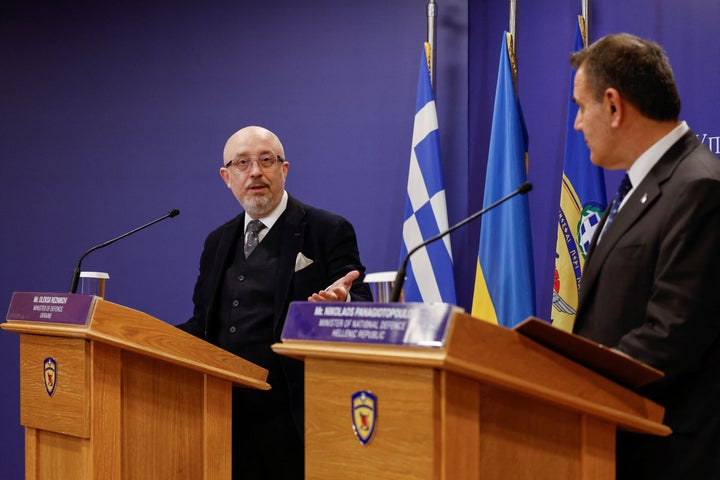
(244, 164)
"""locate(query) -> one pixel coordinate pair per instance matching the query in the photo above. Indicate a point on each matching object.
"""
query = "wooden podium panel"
(161, 423)
(529, 439)
(67, 411)
(330, 444)
(132, 398)
(435, 424)
(487, 403)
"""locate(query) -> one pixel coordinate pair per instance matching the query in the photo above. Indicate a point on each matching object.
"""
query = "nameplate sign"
(65, 308)
(417, 324)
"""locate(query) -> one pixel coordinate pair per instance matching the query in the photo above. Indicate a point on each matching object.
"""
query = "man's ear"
(614, 103)
(225, 176)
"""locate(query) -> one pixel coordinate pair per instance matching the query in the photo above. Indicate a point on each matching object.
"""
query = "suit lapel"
(642, 199)
(292, 234)
(227, 241)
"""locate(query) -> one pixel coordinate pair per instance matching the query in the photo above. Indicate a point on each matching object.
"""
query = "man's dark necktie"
(623, 189)
(251, 236)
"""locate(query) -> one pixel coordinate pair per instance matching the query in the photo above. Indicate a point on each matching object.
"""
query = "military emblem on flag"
(590, 217)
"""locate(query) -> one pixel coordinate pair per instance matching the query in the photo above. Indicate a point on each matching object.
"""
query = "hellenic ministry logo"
(364, 415)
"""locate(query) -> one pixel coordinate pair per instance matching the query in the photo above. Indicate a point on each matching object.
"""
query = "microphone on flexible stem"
(400, 277)
(76, 274)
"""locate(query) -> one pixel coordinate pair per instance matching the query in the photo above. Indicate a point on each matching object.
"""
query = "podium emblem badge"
(50, 375)
(364, 415)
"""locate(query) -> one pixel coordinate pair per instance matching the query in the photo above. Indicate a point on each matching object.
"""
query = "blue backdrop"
(115, 113)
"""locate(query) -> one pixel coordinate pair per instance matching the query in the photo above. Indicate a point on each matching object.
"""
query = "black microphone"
(400, 277)
(76, 274)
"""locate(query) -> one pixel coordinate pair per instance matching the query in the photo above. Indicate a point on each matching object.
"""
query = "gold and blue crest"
(364, 415)
(50, 375)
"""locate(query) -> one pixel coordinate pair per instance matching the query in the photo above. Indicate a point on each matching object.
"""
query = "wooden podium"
(107, 392)
(481, 402)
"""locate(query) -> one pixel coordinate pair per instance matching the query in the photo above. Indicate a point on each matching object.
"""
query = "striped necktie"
(623, 189)
(251, 236)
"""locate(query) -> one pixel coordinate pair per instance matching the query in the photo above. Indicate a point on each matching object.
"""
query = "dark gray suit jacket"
(651, 288)
(328, 239)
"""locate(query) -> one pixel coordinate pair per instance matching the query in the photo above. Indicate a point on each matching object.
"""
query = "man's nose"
(255, 168)
(577, 125)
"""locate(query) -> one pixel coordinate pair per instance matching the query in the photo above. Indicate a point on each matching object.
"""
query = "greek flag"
(430, 270)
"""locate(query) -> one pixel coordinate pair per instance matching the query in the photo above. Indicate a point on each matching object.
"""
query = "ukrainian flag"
(505, 280)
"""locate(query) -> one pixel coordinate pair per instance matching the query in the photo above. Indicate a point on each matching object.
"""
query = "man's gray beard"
(259, 206)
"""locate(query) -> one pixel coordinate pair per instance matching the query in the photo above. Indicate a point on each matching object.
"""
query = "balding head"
(241, 142)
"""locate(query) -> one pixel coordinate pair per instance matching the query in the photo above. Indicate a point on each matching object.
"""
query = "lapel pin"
(643, 199)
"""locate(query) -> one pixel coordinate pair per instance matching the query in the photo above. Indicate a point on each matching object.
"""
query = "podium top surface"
(92, 318)
(494, 356)
(599, 358)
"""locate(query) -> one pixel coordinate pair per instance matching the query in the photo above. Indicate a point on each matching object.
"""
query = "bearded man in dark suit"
(241, 298)
(649, 287)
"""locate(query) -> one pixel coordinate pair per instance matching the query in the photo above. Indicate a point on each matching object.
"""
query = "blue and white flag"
(430, 270)
(582, 202)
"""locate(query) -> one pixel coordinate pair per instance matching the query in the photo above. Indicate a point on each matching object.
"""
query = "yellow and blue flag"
(505, 279)
(429, 275)
(582, 202)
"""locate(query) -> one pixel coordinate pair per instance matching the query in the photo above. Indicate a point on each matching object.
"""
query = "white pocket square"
(301, 261)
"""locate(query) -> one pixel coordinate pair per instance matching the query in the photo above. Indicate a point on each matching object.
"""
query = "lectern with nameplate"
(417, 391)
(108, 392)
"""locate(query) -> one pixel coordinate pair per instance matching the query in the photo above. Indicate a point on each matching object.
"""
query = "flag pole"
(431, 36)
(586, 21)
(511, 41)
(513, 24)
